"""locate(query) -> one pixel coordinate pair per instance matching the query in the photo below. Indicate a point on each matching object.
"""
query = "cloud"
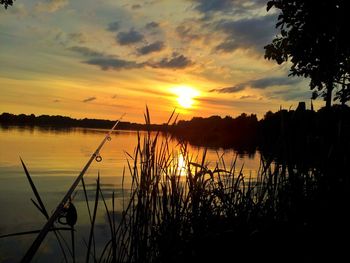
(186, 34)
(87, 52)
(113, 27)
(273, 81)
(136, 6)
(51, 6)
(247, 97)
(152, 25)
(230, 103)
(89, 99)
(262, 83)
(130, 37)
(69, 39)
(290, 94)
(107, 63)
(208, 7)
(154, 47)
(246, 33)
(151, 91)
(177, 61)
(233, 89)
(77, 37)
(205, 6)
(227, 46)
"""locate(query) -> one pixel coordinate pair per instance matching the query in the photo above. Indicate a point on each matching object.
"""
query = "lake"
(54, 158)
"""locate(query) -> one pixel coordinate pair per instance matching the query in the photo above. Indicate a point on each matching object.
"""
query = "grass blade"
(35, 191)
(93, 220)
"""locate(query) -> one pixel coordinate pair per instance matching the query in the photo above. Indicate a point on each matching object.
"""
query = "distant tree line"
(62, 121)
(301, 133)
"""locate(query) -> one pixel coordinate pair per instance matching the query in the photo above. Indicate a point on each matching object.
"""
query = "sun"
(185, 95)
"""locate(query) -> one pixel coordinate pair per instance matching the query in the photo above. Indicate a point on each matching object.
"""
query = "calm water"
(54, 158)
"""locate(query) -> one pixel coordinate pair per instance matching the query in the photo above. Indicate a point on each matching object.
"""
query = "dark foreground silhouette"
(296, 211)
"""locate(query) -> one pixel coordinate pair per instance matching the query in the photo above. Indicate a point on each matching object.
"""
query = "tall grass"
(180, 209)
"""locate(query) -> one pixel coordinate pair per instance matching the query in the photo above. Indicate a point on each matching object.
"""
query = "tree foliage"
(6, 3)
(314, 38)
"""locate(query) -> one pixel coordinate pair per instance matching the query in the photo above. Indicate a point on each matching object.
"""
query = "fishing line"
(98, 158)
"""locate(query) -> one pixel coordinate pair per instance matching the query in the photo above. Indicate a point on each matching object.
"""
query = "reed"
(175, 206)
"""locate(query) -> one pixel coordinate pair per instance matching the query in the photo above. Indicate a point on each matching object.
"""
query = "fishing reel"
(69, 215)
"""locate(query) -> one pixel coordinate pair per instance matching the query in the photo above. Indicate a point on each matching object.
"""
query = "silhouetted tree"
(314, 36)
(6, 3)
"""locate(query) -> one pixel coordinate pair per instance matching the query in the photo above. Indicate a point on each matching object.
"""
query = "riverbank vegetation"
(184, 211)
(179, 208)
(245, 133)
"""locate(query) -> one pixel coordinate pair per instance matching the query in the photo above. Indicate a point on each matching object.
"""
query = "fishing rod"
(61, 206)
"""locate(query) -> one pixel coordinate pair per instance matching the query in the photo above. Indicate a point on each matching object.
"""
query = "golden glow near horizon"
(185, 96)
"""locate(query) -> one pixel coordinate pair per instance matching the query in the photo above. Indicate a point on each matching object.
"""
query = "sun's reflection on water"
(55, 157)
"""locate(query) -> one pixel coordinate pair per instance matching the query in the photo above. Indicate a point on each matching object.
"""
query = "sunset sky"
(101, 58)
